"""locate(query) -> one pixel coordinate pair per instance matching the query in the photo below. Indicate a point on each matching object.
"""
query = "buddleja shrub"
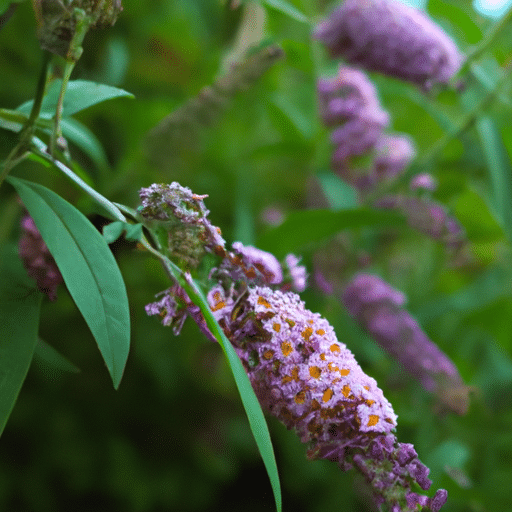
(285, 359)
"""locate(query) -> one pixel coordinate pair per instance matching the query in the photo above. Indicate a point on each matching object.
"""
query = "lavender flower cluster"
(391, 38)
(300, 371)
(37, 259)
(310, 381)
(349, 104)
(378, 308)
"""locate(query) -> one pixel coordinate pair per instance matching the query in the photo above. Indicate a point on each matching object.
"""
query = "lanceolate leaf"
(80, 94)
(250, 402)
(20, 303)
(88, 268)
(303, 227)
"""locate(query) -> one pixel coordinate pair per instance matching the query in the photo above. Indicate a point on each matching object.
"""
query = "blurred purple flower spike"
(349, 104)
(393, 155)
(37, 260)
(377, 307)
(391, 38)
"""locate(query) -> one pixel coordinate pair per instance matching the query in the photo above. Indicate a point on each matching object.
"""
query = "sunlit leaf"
(88, 268)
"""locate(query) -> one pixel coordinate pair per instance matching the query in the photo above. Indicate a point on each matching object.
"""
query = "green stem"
(16, 155)
(83, 23)
(111, 210)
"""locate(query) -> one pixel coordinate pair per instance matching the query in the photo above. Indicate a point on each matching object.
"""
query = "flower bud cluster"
(392, 38)
(37, 259)
(183, 219)
(378, 308)
(58, 21)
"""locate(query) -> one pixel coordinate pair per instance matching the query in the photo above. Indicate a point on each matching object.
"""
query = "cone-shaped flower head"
(37, 259)
(392, 38)
(378, 308)
(311, 382)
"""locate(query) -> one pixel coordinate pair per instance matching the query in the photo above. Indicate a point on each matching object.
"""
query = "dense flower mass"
(37, 259)
(392, 38)
(309, 380)
(378, 308)
(300, 372)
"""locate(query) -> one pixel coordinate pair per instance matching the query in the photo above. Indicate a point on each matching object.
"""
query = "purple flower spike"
(37, 260)
(378, 309)
(349, 104)
(347, 96)
(310, 381)
(391, 38)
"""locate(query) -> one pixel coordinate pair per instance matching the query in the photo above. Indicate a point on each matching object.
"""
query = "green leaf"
(479, 228)
(20, 303)
(339, 193)
(251, 404)
(80, 94)
(286, 8)
(51, 359)
(500, 171)
(88, 268)
(302, 228)
(12, 120)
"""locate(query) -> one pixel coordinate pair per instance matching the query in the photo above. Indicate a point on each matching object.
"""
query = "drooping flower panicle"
(310, 381)
(392, 38)
(300, 371)
(378, 308)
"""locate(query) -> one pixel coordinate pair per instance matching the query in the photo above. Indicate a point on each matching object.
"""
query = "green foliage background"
(174, 436)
